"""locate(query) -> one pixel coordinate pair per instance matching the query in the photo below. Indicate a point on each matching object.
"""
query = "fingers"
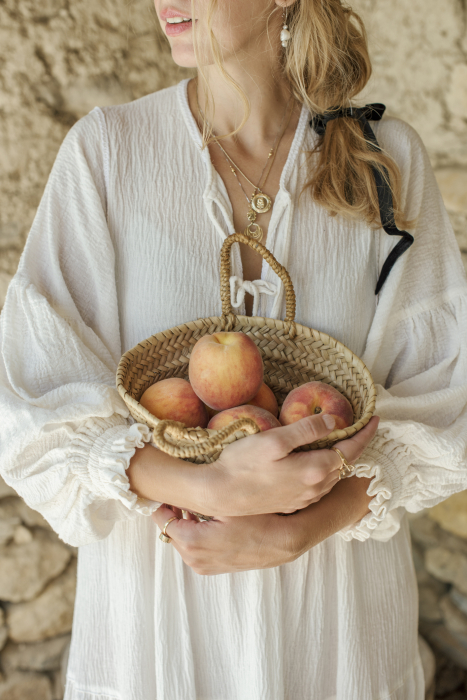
(354, 446)
(323, 465)
(177, 512)
(331, 480)
(186, 515)
(327, 487)
(182, 530)
(302, 432)
(317, 466)
(164, 513)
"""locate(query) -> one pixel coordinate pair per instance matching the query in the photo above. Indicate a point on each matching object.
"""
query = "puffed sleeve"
(417, 353)
(66, 437)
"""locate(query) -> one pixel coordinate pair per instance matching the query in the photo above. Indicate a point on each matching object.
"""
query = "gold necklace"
(260, 202)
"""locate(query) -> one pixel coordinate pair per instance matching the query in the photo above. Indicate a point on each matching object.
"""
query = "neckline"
(215, 189)
(214, 178)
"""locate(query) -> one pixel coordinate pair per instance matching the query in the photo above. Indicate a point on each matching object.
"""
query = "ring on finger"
(164, 536)
(346, 469)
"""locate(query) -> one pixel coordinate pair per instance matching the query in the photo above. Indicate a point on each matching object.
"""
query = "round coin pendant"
(261, 203)
(254, 231)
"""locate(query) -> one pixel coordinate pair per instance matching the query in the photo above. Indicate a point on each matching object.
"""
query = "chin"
(184, 56)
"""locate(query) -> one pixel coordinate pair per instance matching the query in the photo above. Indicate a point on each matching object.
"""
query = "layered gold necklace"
(259, 202)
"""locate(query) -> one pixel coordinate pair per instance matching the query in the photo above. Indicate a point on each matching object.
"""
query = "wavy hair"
(327, 65)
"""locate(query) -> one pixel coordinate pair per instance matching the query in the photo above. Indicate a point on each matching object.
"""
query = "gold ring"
(164, 529)
(346, 469)
(165, 538)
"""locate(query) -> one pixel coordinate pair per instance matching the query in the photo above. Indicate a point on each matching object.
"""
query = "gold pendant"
(261, 203)
(256, 233)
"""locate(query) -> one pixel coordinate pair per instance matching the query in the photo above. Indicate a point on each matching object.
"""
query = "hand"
(260, 474)
(226, 545)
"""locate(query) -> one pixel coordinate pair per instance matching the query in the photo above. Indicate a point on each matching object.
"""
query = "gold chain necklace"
(260, 202)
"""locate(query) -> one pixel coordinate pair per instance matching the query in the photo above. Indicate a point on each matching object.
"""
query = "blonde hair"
(327, 64)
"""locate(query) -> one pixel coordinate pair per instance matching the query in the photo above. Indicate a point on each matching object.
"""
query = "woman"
(318, 605)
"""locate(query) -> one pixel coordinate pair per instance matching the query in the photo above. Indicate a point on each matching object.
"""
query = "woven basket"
(292, 355)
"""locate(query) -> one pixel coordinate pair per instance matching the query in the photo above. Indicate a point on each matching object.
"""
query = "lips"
(175, 28)
(170, 12)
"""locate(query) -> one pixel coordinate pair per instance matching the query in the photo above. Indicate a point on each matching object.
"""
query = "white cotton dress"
(125, 244)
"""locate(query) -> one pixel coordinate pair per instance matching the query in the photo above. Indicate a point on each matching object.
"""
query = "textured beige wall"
(419, 53)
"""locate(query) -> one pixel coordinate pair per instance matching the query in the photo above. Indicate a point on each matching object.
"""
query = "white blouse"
(126, 243)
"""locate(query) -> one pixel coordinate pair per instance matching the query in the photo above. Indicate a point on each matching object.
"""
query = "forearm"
(345, 505)
(157, 476)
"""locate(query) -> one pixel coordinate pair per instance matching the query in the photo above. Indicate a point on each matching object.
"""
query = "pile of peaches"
(226, 383)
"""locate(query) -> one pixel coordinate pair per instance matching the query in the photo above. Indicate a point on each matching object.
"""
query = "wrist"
(159, 477)
(214, 490)
(223, 492)
(344, 506)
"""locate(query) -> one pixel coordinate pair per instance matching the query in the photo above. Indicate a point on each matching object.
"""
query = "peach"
(265, 399)
(210, 411)
(174, 399)
(263, 419)
(225, 370)
(314, 398)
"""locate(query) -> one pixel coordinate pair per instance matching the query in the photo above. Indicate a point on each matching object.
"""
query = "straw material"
(292, 355)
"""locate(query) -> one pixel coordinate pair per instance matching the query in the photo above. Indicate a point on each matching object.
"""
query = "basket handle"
(270, 259)
(177, 431)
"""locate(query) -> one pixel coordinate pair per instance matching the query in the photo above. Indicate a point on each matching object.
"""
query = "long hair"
(326, 64)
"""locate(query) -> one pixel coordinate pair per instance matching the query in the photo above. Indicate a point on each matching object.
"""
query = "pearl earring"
(285, 34)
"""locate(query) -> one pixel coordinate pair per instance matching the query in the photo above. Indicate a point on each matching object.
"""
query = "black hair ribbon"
(364, 115)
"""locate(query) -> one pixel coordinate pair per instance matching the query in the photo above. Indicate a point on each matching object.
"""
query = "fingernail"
(329, 421)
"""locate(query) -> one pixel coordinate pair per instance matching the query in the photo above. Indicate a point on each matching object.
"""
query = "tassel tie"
(239, 287)
(373, 112)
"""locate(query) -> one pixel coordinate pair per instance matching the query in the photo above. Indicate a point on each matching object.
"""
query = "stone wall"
(419, 54)
(37, 591)
(439, 542)
(58, 59)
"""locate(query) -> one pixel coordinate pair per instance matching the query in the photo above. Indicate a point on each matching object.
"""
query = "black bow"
(372, 112)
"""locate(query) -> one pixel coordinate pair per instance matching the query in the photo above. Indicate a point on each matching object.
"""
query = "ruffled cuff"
(101, 454)
(384, 518)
